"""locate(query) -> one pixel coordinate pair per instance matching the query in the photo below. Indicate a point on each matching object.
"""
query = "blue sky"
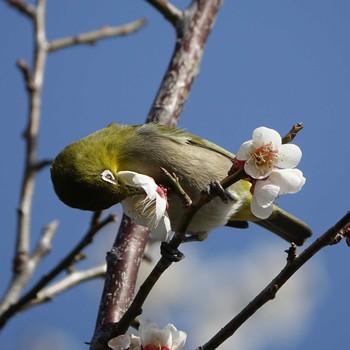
(270, 63)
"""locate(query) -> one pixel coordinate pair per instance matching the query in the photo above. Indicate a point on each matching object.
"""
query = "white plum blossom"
(279, 182)
(271, 166)
(151, 338)
(125, 342)
(149, 209)
(168, 337)
(265, 152)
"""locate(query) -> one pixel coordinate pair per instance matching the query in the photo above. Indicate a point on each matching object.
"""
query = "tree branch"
(20, 280)
(96, 35)
(168, 10)
(23, 262)
(73, 279)
(269, 292)
(22, 7)
(192, 33)
(65, 263)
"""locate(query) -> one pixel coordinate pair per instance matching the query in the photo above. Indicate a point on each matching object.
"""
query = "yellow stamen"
(264, 156)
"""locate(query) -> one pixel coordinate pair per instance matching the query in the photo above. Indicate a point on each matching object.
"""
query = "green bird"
(85, 176)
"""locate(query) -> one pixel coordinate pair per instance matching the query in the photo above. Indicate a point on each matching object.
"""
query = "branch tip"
(92, 37)
(292, 132)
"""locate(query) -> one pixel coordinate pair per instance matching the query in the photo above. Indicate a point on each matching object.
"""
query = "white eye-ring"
(108, 176)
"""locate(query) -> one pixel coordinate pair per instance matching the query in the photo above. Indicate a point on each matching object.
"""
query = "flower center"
(264, 156)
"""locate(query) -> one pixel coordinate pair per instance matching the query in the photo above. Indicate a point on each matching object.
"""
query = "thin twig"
(21, 279)
(168, 10)
(292, 133)
(269, 292)
(178, 189)
(96, 35)
(66, 283)
(23, 7)
(65, 263)
(44, 245)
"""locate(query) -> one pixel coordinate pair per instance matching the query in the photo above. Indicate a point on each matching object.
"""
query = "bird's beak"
(134, 190)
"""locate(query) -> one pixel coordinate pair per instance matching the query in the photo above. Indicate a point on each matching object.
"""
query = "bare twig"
(292, 133)
(93, 36)
(268, 293)
(65, 263)
(44, 245)
(20, 280)
(66, 283)
(23, 7)
(169, 11)
(23, 262)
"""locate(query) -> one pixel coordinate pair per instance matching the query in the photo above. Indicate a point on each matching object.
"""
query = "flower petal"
(161, 232)
(289, 156)
(125, 342)
(289, 180)
(263, 136)
(129, 205)
(144, 181)
(178, 337)
(259, 211)
(265, 192)
(245, 151)
(145, 330)
(161, 204)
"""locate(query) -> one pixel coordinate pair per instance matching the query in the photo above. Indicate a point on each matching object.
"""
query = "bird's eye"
(108, 176)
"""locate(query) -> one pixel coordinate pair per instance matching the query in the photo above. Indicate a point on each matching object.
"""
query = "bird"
(81, 175)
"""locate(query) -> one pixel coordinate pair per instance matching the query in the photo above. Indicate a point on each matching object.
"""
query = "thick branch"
(192, 33)
(123, 263)
(96, 35)
(268, 293)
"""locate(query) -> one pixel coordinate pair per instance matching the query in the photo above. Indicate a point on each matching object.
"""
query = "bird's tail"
(286, 226)
(283, 224)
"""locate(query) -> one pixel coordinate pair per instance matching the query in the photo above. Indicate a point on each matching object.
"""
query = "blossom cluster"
(272, 167)
(151, 338)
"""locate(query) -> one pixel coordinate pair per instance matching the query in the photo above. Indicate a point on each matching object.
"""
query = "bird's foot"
(215, 188)
(170, 253)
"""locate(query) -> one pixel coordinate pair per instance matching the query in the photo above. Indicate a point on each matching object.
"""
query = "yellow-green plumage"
(76, 176)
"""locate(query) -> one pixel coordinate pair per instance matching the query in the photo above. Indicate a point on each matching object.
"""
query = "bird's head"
(84, 175)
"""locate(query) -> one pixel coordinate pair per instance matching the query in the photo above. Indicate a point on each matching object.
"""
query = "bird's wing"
(184, 137)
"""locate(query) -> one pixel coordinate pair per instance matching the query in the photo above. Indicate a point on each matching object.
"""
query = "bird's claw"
(215, 188)
(170, 253)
